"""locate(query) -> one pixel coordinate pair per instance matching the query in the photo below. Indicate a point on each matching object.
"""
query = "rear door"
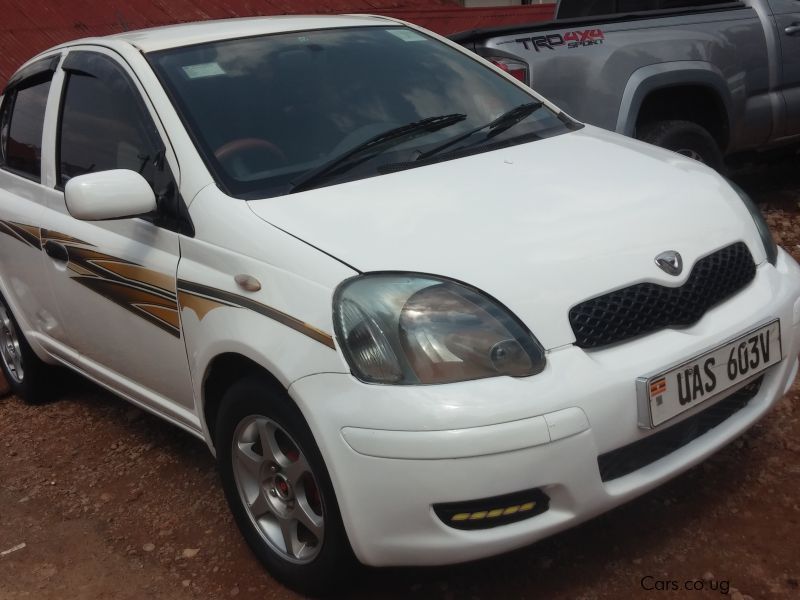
(787, 19)
(116, 280)
(22, 197)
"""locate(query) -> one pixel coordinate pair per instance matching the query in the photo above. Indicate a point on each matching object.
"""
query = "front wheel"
(278, 488)
(684, 137)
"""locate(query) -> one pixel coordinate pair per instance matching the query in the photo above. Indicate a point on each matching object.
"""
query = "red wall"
(30, 26)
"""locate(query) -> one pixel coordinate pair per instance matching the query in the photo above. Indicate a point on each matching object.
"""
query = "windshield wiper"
(497, 126)
(374, 145)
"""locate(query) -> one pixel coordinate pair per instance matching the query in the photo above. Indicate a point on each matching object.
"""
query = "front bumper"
(394, 452)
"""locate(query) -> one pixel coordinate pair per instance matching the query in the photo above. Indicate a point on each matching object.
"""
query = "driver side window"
(104, 123)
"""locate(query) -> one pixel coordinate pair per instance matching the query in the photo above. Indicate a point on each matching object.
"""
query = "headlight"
(418, 329)
(770, 246)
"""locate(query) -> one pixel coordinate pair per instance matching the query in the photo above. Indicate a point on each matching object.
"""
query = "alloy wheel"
(691, 154)
(278, 489)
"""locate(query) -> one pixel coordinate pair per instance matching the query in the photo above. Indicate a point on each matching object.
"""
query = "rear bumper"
(395, 452)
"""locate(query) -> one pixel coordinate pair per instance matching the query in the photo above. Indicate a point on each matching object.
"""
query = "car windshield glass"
(265, 111)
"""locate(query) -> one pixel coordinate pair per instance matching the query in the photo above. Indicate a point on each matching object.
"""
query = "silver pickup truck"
(706, 78)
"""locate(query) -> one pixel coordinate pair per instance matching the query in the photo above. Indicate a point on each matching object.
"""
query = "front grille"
(647, 307)
(630, 458)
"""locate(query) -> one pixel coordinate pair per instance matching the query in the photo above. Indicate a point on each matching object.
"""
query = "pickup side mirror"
(115, 194)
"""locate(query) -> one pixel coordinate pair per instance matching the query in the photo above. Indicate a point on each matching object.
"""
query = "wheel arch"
(221, 372)
(659, 92)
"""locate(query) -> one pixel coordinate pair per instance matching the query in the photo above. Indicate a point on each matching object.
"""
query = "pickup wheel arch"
(692, 91)
(684, 137)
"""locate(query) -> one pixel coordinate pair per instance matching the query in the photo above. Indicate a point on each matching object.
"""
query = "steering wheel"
(231, 149)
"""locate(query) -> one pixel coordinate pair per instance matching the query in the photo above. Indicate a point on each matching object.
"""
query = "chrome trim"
(670, 261)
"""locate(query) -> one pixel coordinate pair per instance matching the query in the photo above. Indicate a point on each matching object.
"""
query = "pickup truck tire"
(278, 488)
(28, 377)
(684, 137)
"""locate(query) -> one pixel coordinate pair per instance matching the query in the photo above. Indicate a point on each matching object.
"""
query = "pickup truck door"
(787, 19)
(116, 280)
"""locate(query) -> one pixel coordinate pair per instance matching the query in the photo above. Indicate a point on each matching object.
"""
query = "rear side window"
(21, 126)
(104, 123)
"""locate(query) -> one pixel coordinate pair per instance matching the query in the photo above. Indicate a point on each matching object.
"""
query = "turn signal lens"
(369, 346)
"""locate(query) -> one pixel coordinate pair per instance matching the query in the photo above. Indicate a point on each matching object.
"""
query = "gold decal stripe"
(228, 298)
(200, 305)
(109, 268)
(91, 269)
(128, 297)
(80, 270)
(24, 233)
(168, 315)
(57, 236)
(86, 255)
(139, 274)
(30, 233)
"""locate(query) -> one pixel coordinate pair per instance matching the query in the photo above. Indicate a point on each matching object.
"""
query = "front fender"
(284, 323)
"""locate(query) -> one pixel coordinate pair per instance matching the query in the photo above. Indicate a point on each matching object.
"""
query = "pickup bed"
(704, 78)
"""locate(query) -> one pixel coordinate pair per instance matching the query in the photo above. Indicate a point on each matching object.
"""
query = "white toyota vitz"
(419, 314)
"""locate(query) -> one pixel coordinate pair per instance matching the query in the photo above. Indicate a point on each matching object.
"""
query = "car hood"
(540, 226)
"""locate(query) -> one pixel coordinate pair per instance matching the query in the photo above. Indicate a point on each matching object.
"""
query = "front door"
(787, 18)
(115, 281)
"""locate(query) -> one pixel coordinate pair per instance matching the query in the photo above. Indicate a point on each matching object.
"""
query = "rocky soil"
(99, 500)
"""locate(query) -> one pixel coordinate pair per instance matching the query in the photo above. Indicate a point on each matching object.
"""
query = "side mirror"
(116, 194)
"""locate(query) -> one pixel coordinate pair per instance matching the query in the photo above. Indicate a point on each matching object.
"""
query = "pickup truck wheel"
(684, 137)
(278, 488)
(27, 375)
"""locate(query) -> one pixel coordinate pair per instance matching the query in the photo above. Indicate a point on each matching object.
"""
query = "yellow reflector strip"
(494, 513)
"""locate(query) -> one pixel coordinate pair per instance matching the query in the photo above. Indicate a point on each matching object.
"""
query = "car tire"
(684, 137)
(28, 377)
(283, 489)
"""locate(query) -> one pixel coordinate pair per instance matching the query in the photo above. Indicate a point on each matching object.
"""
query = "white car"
(419, 314)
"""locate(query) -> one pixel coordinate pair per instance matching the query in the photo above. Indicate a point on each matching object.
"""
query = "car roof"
(188, 34)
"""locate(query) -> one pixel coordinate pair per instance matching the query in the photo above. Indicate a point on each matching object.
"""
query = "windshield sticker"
(211, 69)
(407, 35)
(552, 41)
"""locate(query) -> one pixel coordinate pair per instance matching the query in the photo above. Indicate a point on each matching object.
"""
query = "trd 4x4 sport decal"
(552, 41)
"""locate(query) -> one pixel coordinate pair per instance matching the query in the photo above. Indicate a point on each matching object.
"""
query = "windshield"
(268, 111)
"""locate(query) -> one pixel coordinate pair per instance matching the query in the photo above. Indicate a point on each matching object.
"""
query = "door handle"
(793, 29)
(56, 251)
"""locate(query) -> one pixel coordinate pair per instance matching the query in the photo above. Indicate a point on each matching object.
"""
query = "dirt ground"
(113, 503)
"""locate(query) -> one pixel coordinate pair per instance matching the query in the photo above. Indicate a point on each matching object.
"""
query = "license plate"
(667, 394)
